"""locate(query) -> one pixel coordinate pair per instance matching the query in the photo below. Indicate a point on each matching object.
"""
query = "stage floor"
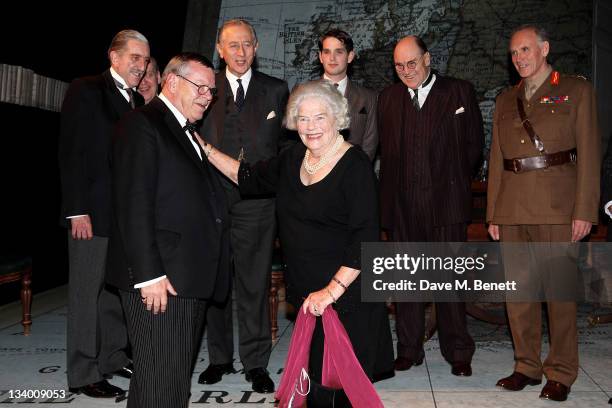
(38, 362)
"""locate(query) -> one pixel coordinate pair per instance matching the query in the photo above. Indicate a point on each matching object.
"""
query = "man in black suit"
(335, 54)
(96, 337)
(431, 139)
(172, 233)
(245, 122)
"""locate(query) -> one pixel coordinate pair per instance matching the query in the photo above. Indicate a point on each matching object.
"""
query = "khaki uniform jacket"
(558, 194)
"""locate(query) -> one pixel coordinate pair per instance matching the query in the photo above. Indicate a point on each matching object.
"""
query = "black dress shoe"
(554, 391)
(214, 372)
(101, 389)
(517, 382)
(404, 363)
(262, 383)
(125, 372)
(461, 369)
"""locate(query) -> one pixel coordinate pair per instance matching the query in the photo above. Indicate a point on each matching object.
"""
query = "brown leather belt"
(540, 162)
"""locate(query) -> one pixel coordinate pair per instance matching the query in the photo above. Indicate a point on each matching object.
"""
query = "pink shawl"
(341, 369)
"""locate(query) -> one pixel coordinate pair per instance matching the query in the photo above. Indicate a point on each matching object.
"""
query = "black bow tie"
(191, 127)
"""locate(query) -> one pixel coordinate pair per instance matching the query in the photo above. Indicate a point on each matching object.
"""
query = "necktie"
(129, 91)
(415, 99)
(191, 128)
(239, 95)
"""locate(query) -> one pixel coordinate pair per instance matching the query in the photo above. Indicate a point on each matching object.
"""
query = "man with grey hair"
(169, 250)
(543, 186)
(149, 84)
(245, 122)
(96, 337)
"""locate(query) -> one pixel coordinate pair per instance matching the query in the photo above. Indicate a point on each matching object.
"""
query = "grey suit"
(362, 108)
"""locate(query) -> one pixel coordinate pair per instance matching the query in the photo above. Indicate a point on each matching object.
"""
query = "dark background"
(61, 40)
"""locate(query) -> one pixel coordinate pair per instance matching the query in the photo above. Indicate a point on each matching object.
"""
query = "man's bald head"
(411, 59)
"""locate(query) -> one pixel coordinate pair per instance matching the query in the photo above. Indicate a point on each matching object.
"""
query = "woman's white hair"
(321, 89)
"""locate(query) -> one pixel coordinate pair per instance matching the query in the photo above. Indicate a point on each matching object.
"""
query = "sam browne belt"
(521, 165)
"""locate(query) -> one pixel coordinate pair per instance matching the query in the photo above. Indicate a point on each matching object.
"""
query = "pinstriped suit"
(427, 160)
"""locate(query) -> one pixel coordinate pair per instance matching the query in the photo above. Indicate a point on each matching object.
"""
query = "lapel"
(255, 95)
(353, 97)
(437, 104)
(544, 89)
(116, 99)
(182, 138)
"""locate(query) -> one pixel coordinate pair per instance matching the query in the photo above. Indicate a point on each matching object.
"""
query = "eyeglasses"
(410, 65)
(202, 89)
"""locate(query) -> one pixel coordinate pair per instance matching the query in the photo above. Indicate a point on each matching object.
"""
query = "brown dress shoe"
(554, 391)
(517, 382)
(404, 363)
(461, 369)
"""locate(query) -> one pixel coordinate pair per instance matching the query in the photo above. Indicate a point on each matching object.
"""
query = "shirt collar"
(118, 78)
(177, 114)
(341, 84)
(536, 81)
(246, 78)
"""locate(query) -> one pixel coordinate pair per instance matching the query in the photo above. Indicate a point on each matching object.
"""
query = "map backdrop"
(467, 39)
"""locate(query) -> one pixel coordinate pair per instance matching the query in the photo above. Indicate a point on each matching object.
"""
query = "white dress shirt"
(341, 84)
(424, 90)
(246, 80)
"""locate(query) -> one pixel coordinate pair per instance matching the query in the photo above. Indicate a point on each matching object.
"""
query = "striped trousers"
(164, 348)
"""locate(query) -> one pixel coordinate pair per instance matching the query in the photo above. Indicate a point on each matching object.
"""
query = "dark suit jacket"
(171, 214)
(266, 96)
(362, 108)
(456, 142)
(91, 107)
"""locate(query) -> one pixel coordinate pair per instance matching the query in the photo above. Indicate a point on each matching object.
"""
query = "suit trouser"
(525, 318)
(96, 333)
(252, 236)
(456, 344)
(165, 347)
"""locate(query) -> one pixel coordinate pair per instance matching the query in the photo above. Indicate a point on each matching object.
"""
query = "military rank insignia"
(554, 99)
(554, 78)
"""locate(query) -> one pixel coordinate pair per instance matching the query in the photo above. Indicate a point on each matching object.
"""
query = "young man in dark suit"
(245, 122)
(168, 254)
(97, 336)
(431, 140)
(335, 54)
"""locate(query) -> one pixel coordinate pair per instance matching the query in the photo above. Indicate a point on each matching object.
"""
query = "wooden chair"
(277, 281)
(13, 269)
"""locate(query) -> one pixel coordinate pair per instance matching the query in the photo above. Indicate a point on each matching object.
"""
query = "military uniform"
(539, 205)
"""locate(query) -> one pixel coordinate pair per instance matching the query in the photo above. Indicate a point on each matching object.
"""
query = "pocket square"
(460, 110)
(271, 115)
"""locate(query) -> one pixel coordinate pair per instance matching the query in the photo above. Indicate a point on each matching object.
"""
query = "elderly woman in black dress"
(326, 206)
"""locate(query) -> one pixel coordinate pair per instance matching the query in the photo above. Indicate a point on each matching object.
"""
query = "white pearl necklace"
(313, 168)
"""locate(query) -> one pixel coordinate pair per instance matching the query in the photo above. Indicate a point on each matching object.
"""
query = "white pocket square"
(460, 110)
(271, 115)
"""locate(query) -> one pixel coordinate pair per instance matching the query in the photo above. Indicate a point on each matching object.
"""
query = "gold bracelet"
(330, 294)
(339, 283)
